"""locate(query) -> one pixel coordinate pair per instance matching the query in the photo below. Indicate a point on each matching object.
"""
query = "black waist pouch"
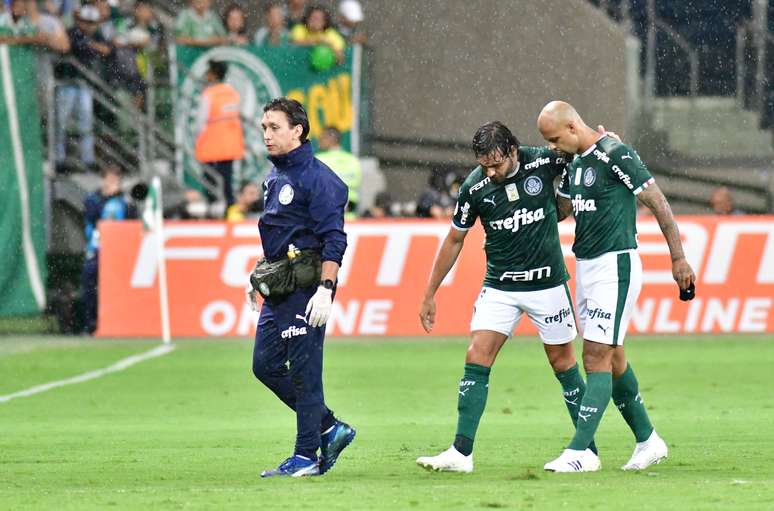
(276, 280)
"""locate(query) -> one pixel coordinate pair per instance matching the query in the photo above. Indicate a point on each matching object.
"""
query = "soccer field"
(192, 429)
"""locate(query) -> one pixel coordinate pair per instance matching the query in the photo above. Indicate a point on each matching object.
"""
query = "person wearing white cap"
(350, 22)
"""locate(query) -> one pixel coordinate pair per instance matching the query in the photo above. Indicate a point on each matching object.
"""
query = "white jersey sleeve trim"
(643, 186)
(460, 228)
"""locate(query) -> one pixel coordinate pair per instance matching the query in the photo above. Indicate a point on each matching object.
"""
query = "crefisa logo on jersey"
(520, 217)
(537, 163)
(589, 176)
(533, 185)
(579, 204)
(465, 210)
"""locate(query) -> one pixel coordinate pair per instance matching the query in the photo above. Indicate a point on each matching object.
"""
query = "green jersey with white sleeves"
(602, 184)
(519, 218)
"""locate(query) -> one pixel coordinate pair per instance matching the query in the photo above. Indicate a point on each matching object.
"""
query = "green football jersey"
(519, 218)
(602, 184)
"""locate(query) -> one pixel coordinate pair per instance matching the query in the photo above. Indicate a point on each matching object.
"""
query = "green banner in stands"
(22, 223)
(331, 96)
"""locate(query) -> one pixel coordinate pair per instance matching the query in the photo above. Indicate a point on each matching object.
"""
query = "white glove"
(250, 298)
(319, 307)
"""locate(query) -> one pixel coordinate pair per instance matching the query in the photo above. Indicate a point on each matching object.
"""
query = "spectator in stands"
(193, 207)
(351, 22)
(54, 40)
(723, 203)
(140, 38)
(317, 30)
(72, 95)
(62, 9)
(134, 37)
(50, 27)
(107, 203)
(235, 21)
(343, 163)
(274, 32)
(249, 201)
(16, 27)
(382, 208)
(436, 201)
(295, 15)
(220, 138)
(109, 18)
(199, 26)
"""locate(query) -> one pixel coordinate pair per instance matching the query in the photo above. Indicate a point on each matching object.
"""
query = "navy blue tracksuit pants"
(288, 359)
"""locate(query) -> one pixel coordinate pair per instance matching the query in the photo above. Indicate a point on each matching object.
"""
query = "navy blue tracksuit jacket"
(304, 205)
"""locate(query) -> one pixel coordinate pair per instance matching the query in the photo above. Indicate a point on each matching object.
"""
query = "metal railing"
(142, 140)
(752, 43)
(689, 50)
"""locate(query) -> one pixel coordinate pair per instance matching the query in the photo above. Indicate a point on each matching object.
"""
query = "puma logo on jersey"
(626, 156)
(604, 330)
(520, 217)
(579, 204)
(490, 200)
(302, 318)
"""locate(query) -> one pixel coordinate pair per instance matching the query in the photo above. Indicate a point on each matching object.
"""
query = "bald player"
(600, 187)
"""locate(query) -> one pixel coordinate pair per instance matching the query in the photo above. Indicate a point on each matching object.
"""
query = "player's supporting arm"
(563, 208)
(654, 199)
(444, 261)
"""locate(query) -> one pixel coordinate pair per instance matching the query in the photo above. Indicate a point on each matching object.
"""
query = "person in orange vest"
(220, 139)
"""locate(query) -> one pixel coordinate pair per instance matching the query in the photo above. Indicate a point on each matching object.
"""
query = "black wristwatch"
(327, 283)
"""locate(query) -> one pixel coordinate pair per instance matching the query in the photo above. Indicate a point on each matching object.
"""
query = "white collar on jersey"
(514, 171)
(593, 146)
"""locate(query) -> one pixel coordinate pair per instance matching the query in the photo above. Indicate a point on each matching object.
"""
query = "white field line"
(91, 375)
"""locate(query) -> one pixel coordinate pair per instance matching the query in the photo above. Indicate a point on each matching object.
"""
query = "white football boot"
(450, 460)
(574, 461)
(647, 453)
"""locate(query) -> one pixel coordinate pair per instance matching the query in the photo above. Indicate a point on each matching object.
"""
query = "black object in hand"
(688, 294)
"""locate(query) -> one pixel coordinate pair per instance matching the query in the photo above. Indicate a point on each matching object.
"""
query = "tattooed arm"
(654, 199)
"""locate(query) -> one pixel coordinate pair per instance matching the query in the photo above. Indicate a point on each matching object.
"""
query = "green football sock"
(471, 402)
(573, 389)
(598, 390)
(626, 396)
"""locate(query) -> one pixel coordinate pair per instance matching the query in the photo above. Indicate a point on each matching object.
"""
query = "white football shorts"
(608, 287)
(550, 310)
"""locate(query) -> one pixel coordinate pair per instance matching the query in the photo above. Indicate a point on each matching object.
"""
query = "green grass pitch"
(193, 429)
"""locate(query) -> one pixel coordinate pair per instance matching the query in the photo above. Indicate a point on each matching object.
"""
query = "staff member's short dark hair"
(333, 132)
(494, 137)
(293, 110)
(219, 69)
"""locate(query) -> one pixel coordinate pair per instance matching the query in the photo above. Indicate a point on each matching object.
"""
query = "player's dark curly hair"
(494, 137)
(293, 110)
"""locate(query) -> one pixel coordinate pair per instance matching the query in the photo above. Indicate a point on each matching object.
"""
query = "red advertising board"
(387, 265)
